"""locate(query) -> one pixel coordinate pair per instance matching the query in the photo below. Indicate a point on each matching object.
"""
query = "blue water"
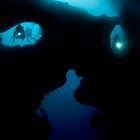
(32, 32)
(69, 118)
(94, 7)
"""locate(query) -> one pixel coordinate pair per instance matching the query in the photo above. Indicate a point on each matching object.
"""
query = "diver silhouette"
(29, 35)
(71, 40)
(19, 33)
(116, 39)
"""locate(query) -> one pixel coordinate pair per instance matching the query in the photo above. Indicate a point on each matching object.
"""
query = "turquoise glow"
(32, 34)
(69, 118)
(119, 45)
(19, 34)
(94, 7)
(118, 40)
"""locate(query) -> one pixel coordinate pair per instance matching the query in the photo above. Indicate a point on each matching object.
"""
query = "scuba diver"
(19, 33)
(116, 44)
(29, 34)
(28, 31)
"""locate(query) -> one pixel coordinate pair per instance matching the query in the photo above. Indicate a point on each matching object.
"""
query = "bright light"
(119, 45)
(19, 34)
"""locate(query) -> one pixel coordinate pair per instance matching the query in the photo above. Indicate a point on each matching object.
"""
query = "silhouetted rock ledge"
(78, 42)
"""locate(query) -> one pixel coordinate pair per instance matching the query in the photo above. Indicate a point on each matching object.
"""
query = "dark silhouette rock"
(73, 41)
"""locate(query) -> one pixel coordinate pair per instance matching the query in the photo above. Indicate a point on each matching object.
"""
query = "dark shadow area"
(71, 40)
